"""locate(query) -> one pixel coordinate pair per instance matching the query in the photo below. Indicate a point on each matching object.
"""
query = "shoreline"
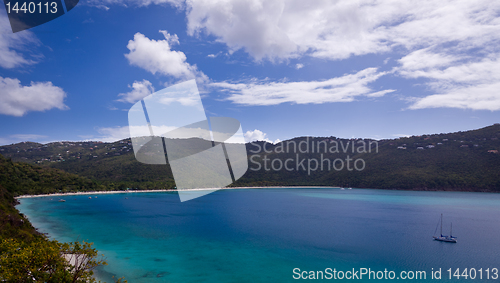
(157, 191)
(237, 188)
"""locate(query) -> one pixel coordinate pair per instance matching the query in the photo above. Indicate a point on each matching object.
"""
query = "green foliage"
(25, 254)
(12, 223)
(42, 260)
(458, 161)
(21, 178)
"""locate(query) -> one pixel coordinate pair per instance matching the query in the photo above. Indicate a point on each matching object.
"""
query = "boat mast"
(441, 225)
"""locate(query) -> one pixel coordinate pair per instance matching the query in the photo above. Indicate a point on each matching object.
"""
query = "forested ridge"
(466, 160)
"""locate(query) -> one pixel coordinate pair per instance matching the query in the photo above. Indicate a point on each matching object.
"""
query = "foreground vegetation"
(25, 254)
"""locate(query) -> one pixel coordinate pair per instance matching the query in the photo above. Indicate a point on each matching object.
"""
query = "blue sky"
(374, 69)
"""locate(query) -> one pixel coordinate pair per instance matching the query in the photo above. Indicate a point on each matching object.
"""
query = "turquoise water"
(261, 235)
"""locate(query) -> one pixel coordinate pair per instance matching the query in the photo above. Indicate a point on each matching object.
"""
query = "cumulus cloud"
(102, 3)
(437, 40)
(11, 44)
(17, 100)
(452, 44)
(257, 135)
(339, 89)
(457, 81)
(112, 134)
(140, 89)
(299, 66)
(335, 29)
(340, 29)
(157, 56)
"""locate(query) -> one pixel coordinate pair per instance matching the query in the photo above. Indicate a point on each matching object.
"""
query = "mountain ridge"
(465, 160)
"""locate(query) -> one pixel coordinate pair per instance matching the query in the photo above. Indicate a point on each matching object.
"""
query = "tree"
(43, 260)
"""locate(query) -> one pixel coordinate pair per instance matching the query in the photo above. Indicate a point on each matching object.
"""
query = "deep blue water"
(261, 235)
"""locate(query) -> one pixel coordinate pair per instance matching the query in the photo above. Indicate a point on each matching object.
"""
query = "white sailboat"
(442, 238)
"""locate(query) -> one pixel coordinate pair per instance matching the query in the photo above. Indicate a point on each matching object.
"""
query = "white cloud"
(12, 43)
(476, 97)
(401, 135)
(339, 89)
(17, 100)
(453, 44)
(438, 40)
(339, 29)
(257, 135)
(156, 56)
(284, 29)
(112, 134)
(138, 92)
(299, 66)
(457, 81)
(100, 3)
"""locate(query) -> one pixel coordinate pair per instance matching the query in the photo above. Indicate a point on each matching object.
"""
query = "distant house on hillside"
(430, 146)
(401, 147)
(464, 145)
(493, 151)
(420, 147)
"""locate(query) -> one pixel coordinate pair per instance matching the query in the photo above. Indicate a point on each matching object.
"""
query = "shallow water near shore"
(261, 235)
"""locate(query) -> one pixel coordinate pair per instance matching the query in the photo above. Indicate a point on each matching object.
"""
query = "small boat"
(90, 197)
(442, 238)
(62, 200)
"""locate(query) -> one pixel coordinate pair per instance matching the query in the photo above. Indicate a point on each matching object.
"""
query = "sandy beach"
(156, 191)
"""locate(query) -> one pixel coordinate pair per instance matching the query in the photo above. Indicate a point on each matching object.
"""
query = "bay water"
(274, 235)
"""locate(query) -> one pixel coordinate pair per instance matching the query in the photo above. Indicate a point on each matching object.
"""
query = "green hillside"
(12, 223)
(20, 178)
(452, 161)
(25, 254)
